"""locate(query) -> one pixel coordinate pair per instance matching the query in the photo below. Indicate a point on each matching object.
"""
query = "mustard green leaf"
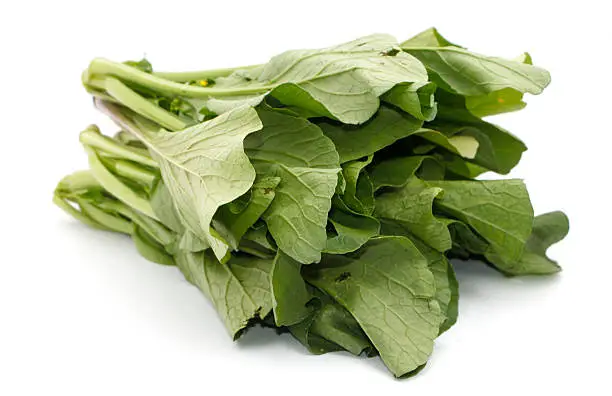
(471, 74)
(331, 328)
(358, 192)
(547, 229)
(341, 82)
(352, 229)
(385, 128)
(204, 167)
(239, 289)
(297, 152)
(412, 205)
(498, 210)
(390, 291)
(289, 292)
(416, 99)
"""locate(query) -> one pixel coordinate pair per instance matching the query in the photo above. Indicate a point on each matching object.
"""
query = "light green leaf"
(204, 167)
(471, 74)
(341, 186)
(164, 208)
(447, 287)
(385, 128)
(288, 291)
(499, 210)
(189, 242)
(342, 82)
(390, 291)
(254, 275)
(306, 162)
(466, 146)
(411, 205)
(239, 290)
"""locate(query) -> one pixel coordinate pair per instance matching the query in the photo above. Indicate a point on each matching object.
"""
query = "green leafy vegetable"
(323, 193)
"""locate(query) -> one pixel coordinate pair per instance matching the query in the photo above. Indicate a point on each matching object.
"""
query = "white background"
(82, 314)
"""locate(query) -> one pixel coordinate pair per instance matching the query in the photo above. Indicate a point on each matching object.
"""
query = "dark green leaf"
(547, 229)
(289, 292)
(352, 229)
(499, 210)
(388, 288)
(386, 127)
(261, 196)
(411, 205)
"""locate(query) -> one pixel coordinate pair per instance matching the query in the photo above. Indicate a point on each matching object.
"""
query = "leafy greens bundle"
(324, 192)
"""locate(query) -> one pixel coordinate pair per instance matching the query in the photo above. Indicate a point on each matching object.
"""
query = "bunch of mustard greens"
(324, 192)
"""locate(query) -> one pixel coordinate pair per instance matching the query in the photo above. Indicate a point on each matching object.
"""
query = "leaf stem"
(92, 137)
(100, 67)
(154, 228)
(110, 221)
(80, 216)
(80, 181)
(126, 122)
(115, 186)
(140, 105)
(131, 171)
(196, 75)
